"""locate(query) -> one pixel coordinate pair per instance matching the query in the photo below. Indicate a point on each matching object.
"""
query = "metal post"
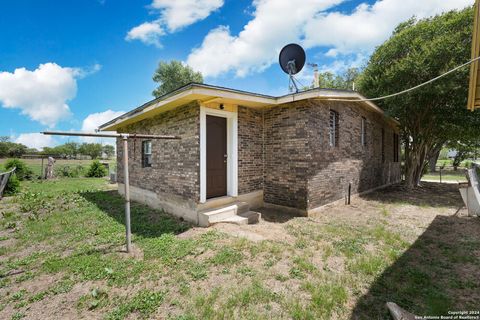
(440, 174)
(127, 191)
(125, 137)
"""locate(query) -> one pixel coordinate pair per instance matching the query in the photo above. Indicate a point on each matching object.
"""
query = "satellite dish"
(292, 59)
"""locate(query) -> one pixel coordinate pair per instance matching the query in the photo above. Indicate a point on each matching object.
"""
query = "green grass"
(145, 303)
(72, 231)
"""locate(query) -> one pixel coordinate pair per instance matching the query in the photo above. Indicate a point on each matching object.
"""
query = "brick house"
(240, 151)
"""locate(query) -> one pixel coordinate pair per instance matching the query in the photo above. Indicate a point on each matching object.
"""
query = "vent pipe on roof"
(316, 79)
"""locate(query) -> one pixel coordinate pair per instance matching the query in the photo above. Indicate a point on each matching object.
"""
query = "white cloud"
(42, 94)
(173, 15)
(275, 23)
(314, 23)
(369, 25)
(181, 13)
(94, 120)
(148, 33)
(36, 140)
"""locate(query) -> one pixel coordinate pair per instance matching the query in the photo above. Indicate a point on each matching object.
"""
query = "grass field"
(61, 257)
(36, 164)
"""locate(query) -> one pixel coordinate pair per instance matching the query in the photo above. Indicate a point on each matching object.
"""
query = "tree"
(71, 149)
(463, 151)
(173, 75)
(420, 50)
(94, 150)
(343, 81)
(109, 150)
(11, 149)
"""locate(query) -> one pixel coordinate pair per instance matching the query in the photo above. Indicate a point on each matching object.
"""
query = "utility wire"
(407, 90)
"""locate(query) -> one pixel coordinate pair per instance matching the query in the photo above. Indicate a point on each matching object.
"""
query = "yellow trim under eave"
(474, 86)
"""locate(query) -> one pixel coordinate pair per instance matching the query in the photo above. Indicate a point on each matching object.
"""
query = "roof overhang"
(474, 86)
(205, 94)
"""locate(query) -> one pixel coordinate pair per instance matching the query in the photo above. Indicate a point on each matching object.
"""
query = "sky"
(74, 65)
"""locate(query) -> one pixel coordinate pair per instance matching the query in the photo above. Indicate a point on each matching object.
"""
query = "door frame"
(232, 150)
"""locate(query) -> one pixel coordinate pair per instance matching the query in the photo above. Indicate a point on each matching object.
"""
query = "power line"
(408, 90)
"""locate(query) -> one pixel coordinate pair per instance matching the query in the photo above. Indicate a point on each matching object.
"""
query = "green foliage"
(418, 51)
(12, 187)
(145, 302)
(109, 150)
(94, 150)
(443, 154)
(173, 75)
(96, 170)
(73, 149)
(22, 171)
(11, 149)
(344, 81)
(69, 171)
(227, 256)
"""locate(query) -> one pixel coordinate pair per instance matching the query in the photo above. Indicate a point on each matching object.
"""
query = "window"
(383, 145)
(396, 147)
(147, 153)
(333, 129)
(364, 132)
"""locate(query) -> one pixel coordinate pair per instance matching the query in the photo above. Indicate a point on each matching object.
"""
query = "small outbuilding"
(240, 151)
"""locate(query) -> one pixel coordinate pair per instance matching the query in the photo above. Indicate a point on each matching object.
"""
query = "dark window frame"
(383, 145)
(363, 132)
(333, 129)
(396, 147)
(146, 153)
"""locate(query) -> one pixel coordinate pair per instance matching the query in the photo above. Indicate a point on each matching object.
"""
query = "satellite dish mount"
(292, 59)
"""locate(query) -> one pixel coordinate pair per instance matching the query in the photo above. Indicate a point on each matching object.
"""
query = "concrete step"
(235, 220)
(252, 216)
(218, 214)
(216, 202)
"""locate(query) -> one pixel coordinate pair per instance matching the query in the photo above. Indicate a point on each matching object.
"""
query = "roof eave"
(202, 93)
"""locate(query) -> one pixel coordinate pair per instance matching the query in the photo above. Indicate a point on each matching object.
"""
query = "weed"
(145, 303)
(197, 270)
(227, 256)
(18, 316)
(368, 265)
(97, 298)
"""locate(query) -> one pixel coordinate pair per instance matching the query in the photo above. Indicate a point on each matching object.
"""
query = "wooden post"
(127, 191)
(440, 174)
(42, 174)
(349, 192)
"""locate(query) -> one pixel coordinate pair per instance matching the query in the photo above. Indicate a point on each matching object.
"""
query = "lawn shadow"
(429, 194)
(145, 221)
(437, 274)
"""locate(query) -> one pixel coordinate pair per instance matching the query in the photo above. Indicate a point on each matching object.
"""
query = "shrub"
(467, 164)
(23, 172)
(70, 171)
(12, 187)
(97, 170)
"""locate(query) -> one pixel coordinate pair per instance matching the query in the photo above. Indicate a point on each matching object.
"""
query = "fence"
(4, 177)
(445, 174)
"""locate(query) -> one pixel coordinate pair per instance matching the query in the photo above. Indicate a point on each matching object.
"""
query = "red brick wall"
(250, 150)
(175, 163)
(333, 168)
(303, 171)
(287, 157)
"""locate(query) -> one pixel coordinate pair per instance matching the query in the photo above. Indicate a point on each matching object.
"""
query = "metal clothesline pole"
(125, 137)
